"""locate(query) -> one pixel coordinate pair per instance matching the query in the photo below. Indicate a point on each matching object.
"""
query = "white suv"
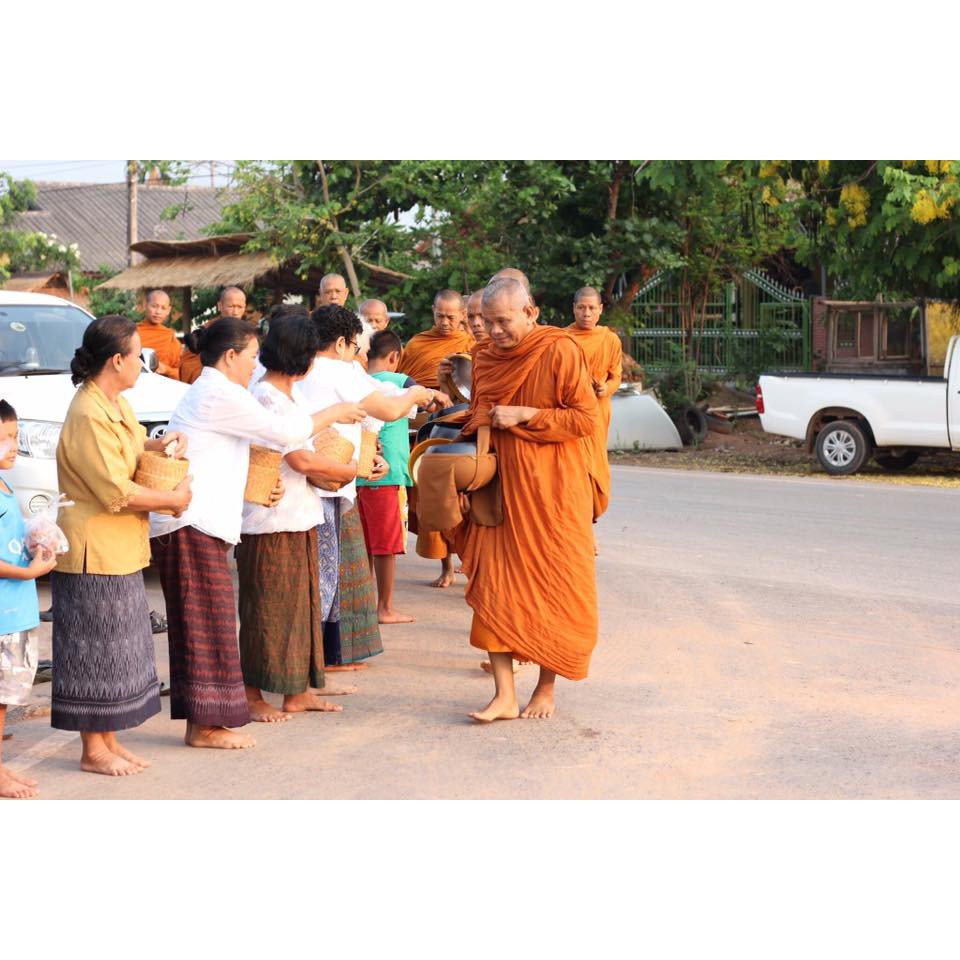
(38, 336)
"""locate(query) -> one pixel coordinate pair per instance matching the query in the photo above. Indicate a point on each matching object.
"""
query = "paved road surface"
(760, 637)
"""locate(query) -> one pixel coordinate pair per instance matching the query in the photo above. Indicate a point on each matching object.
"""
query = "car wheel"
(897, 461)
(843, 447)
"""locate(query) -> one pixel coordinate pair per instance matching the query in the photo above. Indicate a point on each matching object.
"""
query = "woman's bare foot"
(343, 667)
(13, 787)
(486, 667)
(217, 738)
(114, 746)
(326, 691)
(391, 616)
(299, 702)
(497, 709)
(108, 763)
(263, 712)
(541, 705)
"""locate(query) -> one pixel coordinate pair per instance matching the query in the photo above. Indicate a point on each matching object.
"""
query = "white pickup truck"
(847, 418)
(38, 337)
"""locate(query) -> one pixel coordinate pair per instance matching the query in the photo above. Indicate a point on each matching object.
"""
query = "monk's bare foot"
(460, 569)
(497, 709)
(299, 702)
(392, 616)
(263, 712)
(13, 787)
(486, 667)
(108, 763)
(446, 579)
(217, 738)
(541, 705)
(326, 691)
(343, 667)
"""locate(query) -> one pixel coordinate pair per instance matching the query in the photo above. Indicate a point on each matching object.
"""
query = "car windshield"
(39, 338)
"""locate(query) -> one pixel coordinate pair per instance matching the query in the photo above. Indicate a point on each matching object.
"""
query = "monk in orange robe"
(423, 353)
(232, 303)
(532, 581)
(420, 361)
(155, 334)
(604, 353)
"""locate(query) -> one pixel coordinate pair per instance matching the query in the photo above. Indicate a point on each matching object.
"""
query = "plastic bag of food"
(43, 534)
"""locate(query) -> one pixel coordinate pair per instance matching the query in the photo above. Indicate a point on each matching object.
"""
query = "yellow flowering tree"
(882, 226)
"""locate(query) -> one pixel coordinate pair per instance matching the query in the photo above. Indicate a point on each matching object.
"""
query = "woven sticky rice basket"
(331, 444)
(368, 450)
(262, 474)
(157, 471)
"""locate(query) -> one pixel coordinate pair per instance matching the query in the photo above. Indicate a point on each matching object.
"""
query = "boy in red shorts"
(383, 503)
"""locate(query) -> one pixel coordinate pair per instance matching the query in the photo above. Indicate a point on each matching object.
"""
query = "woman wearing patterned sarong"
(104, 671)
(351, 633)
(221, 419)
(281, 638)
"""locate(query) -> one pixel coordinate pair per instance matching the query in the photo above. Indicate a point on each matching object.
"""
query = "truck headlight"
(38, 438)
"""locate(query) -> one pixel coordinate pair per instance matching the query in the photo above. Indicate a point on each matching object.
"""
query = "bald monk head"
(587, 307)
(333, 289)
(156, 308)
(511, 273)
(232, 303)
(475, 317)
(448, 310)
(375, 313)
(509, 313)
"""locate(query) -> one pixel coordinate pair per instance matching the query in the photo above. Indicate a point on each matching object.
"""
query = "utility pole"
(213, 173)
(131, 210)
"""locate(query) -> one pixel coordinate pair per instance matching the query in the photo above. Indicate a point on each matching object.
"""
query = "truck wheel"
(897, 461)
(843, 447)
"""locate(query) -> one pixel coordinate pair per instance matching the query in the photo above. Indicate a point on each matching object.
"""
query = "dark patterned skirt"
(206, 685)
(358, 633)
(281, 637)
(104, 667)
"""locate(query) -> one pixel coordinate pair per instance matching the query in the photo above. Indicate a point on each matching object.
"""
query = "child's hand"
(41, 564)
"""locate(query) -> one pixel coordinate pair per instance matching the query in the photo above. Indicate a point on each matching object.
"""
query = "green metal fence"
(750, 325)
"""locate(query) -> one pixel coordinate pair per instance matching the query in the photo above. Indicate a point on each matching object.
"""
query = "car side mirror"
(149, 357)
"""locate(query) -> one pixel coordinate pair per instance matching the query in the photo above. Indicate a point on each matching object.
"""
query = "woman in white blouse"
(281, 634)
(221, 419)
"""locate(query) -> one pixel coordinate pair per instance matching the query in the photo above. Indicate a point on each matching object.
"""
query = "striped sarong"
(281, 637)
(358, 634)
(206, 684)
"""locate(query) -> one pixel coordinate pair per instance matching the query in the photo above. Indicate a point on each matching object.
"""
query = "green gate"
(751, 324)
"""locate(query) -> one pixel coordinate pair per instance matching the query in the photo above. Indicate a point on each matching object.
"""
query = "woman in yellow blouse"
(104, 670)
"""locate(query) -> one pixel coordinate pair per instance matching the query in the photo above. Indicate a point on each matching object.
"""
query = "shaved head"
(508, 287)
(333, 289)
(232, 302)
(375, 313)
(509, 314)
(475, 317)
(587, 292)
(512, 273)
(450, 295)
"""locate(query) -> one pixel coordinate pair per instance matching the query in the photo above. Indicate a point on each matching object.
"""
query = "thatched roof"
(218, 262)
(35, 282)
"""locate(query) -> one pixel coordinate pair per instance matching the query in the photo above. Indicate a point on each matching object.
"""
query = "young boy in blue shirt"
(19, 610)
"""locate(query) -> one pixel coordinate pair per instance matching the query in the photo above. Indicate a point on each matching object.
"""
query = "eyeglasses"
(355, 345)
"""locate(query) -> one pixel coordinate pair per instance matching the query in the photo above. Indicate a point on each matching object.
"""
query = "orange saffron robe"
(158, 337)
(190, 365)
(422, 355)
(533, 578)
(604, 353)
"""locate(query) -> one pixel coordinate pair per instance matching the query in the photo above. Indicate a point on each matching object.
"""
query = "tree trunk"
(341, 247)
